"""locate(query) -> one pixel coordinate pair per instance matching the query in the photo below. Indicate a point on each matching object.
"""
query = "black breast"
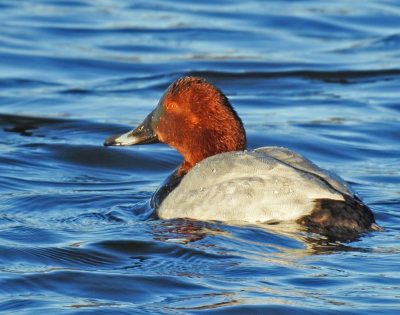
(169, 184)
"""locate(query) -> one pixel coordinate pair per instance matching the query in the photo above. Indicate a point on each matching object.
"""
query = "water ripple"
(77, 235)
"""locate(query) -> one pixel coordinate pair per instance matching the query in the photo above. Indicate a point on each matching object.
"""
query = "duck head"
(192, 116)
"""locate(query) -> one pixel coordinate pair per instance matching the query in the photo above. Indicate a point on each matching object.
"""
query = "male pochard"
(219, 180)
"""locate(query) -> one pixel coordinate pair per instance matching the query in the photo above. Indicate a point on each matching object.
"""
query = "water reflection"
(266, 238)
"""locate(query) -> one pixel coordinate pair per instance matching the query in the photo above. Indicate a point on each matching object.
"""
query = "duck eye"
(169, 106)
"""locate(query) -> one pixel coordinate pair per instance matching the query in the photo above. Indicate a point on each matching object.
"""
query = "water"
(318, 77)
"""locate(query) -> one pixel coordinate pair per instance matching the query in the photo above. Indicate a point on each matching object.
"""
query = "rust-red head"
(195, 118)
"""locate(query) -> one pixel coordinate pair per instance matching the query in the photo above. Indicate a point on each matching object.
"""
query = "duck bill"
(143, 134)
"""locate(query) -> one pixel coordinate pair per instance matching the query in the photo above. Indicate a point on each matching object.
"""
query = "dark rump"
(340, 218)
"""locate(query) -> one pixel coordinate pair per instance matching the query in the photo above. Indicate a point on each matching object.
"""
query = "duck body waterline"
(220, 180)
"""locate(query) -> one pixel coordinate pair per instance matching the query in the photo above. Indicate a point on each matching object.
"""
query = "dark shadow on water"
(343, 77)
(25, 124)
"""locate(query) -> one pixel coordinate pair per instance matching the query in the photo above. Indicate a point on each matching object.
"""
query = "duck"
(220, 180)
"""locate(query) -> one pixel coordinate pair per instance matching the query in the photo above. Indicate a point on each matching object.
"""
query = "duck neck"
(211, 142)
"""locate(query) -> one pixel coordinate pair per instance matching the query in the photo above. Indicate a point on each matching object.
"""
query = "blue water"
(318, 77)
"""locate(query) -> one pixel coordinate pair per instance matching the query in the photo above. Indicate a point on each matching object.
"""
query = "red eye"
(170, 106)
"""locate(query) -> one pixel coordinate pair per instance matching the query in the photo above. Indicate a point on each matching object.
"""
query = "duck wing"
(299, 162)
